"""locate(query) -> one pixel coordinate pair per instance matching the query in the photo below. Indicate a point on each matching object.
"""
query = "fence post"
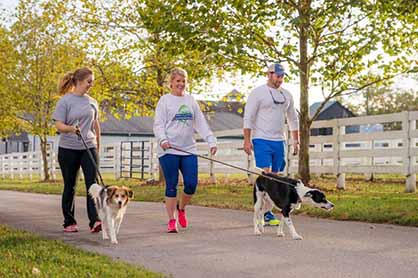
(409, 159)
(212, 169)
(369, 176)
(40, 165)
(21, 165)
(250, 177)
(2, 166)
(153, 166)
(340, 176)
(116, 158)
(12, 167)
(53, 164)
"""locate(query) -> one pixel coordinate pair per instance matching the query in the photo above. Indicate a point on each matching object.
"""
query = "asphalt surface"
(220, 242)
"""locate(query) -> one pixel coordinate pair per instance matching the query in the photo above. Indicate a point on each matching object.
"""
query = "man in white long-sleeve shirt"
(266, 111)
(177, 116)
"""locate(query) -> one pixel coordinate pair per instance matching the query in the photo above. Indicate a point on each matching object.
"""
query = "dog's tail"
(95, 190)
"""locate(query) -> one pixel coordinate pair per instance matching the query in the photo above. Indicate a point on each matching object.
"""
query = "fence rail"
(388, 150)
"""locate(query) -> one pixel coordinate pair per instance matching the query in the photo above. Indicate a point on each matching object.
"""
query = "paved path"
(220, 243)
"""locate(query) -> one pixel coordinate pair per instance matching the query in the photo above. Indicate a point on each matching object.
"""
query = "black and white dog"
(285, 194)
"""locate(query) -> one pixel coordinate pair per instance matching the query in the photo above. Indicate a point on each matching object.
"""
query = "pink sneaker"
(71, 229)
(97, 227)
(172, 226)
(182, 217)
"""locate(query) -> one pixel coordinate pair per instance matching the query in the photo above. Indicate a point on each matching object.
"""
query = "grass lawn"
(26, 255)
(382, 201)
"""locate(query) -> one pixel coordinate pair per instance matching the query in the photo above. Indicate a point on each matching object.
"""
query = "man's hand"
(248, 147)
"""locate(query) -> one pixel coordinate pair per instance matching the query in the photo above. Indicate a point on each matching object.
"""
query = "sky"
(9, 4)
(246, 83)
(218, 88)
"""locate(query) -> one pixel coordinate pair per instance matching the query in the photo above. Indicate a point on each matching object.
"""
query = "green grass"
(382, 201)
(26, 255)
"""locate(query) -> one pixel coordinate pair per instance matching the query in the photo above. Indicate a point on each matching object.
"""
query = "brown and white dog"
(111, 203)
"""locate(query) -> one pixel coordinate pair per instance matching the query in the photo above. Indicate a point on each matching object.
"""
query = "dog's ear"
(308, 194)
(111, 190)
(300, 182)
(130, 193)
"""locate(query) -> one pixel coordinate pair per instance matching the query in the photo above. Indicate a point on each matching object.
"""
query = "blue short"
(269, 154)
(171, 164)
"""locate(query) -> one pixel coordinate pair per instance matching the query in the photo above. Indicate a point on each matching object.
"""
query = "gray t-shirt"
(72, 109)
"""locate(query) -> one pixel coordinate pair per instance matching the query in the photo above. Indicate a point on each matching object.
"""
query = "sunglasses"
(275, 101)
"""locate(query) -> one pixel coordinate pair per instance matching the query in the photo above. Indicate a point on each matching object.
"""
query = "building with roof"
(331, 110)
(115, 130)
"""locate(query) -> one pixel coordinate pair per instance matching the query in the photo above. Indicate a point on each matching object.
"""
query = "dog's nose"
(120, 202)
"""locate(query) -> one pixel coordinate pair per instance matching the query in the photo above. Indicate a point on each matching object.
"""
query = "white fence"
(394, 149)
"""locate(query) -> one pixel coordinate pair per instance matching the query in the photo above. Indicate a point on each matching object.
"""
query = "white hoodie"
(177, 118)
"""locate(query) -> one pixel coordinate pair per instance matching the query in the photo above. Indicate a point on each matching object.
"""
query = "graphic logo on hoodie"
(183, 115)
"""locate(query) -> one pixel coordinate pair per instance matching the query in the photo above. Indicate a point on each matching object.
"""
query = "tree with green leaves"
(41, 52)
(377, 100)
(138, 44)
(10, 104)
(331, 44)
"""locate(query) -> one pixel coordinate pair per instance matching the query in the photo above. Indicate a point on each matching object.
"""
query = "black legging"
(70, 162)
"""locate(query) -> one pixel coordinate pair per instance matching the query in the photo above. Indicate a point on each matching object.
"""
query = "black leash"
(233, 166)
(91, 157)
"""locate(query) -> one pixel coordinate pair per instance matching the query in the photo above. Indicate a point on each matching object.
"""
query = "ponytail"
(70, 79)
(66, 83)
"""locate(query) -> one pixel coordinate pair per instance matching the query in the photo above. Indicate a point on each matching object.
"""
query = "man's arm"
(249, 115)
(295, 143)
(248, 147)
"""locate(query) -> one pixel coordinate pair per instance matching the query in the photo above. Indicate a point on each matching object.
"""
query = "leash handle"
(78, 132)
(231, 165)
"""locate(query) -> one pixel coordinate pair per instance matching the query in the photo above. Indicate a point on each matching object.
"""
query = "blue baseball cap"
(277, 69)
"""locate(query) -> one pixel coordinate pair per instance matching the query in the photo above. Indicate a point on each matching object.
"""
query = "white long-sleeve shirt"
(265, 118)
(177, 118)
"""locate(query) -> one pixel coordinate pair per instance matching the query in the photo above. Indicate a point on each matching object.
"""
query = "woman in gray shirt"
(77, 110)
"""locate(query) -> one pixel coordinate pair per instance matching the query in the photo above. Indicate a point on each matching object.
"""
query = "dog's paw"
(280, 234)
(297, 237)
(114, 242)
(105, 237)
(257, 232)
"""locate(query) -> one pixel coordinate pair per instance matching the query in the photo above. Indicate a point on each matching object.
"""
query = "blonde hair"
(70, 79)
(177, 71)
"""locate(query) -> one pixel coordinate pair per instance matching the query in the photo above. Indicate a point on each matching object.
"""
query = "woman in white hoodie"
(177, 117)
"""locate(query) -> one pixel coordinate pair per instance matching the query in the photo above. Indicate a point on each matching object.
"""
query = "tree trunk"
(304, 171)
(45, 157)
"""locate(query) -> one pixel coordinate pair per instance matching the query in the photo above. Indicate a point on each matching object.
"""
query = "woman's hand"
(165, 145)
(63, 128)
(213, 150)
(75, 129)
